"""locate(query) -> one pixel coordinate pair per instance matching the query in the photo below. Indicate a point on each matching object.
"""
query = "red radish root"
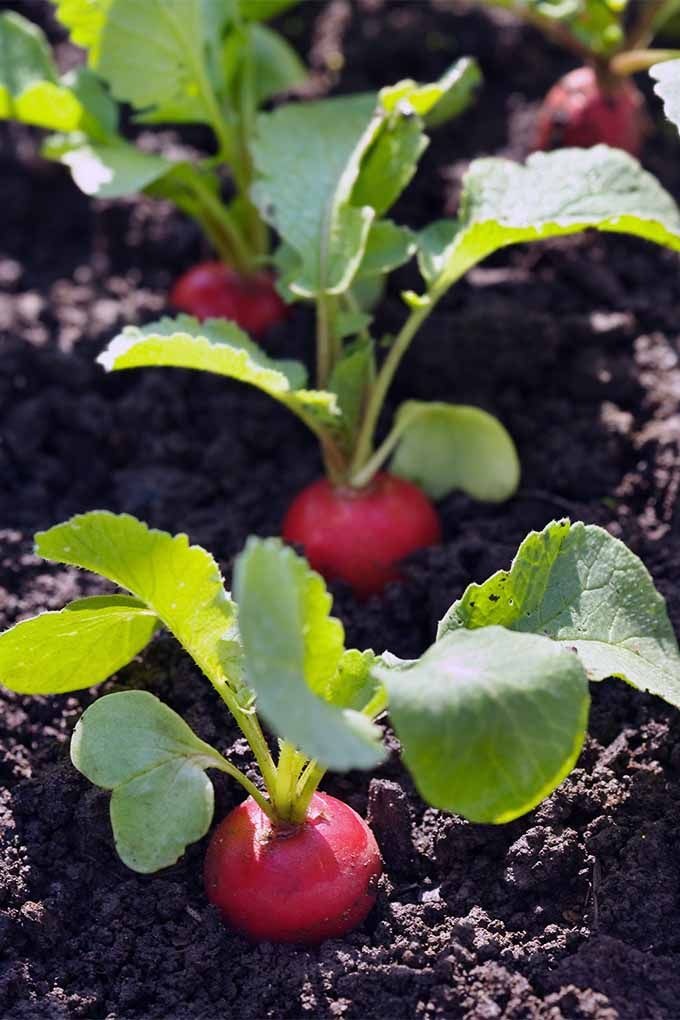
(304, 883)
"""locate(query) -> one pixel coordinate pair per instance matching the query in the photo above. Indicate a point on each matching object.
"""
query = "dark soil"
(571, 912)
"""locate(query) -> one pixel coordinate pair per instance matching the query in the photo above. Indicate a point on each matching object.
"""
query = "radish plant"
(173, 62)
(491, 718)
(326, 176)
(598, 101)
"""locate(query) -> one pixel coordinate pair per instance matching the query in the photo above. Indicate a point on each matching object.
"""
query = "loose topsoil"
(570, 912)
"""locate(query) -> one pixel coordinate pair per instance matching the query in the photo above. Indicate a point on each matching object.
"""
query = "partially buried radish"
(293, 883)
(361, 535)
(214, 290)
(582, 110)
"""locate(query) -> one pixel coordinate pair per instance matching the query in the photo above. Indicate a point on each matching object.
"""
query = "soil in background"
(570, 912)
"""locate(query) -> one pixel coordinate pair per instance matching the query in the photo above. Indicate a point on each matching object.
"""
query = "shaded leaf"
(444, 447)
(133, 744)
(490, 721)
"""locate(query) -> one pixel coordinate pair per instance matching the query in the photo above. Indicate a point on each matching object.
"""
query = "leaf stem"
(326, 343)
(291, 763)
(652, 15)
(217, 211)
(364, 447)
(249, 726)
(307, 786)
(633, 61)
(226, 766)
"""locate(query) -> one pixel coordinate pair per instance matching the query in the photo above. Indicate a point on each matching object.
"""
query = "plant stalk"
(632, 61)
(364, 446)
(649, 21)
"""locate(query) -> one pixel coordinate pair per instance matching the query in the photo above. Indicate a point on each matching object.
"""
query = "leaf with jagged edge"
(553, 194)
(580, 586)
(180, 582)
(219, 346)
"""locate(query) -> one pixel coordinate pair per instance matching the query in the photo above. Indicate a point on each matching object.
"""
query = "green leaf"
(221, 347)
(555, 193)
(388, 246)
(85, 21)
(350, 379)
(181, 583)
(99, 120)
(153, 53)
(490, 722)
(265, 56)
(29, 89)
(459, 87)
(76, 648)
(353, 684)
(584, 588)
(292, 648)
(443, 447)
(598, 25)
(439, 100)
(391, 161)
(106, 170)
(133, 744)
(304, 190)
(667, 78)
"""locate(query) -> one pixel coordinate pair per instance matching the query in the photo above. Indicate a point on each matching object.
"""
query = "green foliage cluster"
(491, 717)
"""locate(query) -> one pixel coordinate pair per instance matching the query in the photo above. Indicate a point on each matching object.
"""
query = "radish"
(215, 290)
(293, 883)
(360, 536)
(582, 111)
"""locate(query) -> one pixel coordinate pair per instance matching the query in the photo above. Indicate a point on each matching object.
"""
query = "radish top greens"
(491, 717)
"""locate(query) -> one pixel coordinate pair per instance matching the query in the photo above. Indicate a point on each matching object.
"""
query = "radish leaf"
(133, 744)
(292, 648)
(584, 588)
(555, 193)
(76, 648)
(181, 583)
(29, 87)
(221, 347)
(667, 77)
(490, 721)
(443, 447)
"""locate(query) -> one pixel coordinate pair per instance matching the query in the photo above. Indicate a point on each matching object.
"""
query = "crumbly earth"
(569, 913)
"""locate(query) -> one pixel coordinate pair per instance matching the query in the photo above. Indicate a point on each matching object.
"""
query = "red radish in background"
(214, 290)
(360, 535)
(581, 110)
(293, 883)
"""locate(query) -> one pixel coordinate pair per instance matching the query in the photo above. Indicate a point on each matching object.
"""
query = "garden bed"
(569, 912)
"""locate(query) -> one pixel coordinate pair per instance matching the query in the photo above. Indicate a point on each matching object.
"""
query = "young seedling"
(491, 718)
(174, 62)
(599, 101)
(327, 174)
